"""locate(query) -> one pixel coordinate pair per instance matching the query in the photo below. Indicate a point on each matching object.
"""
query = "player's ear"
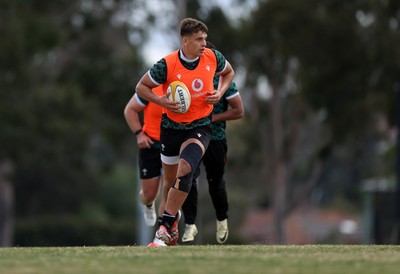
(185, 40)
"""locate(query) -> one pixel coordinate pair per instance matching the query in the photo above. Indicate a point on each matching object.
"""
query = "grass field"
(205, 259)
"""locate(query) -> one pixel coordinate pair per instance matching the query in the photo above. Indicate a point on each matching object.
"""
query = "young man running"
(148, 141)
(184, 137)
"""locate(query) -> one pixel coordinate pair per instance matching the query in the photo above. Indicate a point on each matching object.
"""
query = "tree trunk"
(397, 193)
(6, 205)
(280, 201)
(279, 166)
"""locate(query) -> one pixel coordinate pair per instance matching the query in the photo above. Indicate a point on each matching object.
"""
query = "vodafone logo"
(197, 85)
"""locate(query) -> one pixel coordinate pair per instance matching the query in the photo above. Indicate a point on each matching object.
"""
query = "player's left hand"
(213, 97)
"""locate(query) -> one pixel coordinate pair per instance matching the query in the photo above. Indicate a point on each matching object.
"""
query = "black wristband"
(137, 132)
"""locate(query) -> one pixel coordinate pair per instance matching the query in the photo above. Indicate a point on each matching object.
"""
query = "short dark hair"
(190, 26)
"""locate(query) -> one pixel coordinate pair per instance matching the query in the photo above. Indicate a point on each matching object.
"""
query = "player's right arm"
(144, 89)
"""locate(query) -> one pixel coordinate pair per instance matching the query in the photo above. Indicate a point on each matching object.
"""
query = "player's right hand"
(170, 105)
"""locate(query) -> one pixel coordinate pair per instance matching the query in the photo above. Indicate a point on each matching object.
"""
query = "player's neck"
(187, 57)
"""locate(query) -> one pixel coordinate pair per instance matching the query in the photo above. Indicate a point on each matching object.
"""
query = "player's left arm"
(225, 79)
(131, 113)
(226, 73)
(234, 112)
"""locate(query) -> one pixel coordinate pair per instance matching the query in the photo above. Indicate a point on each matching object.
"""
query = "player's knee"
(215, 181)
(151, 195)
(183, 183)
(148, 196)
(190, 156)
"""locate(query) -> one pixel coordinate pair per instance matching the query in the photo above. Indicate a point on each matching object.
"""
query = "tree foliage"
(66, 69)
(320, 59)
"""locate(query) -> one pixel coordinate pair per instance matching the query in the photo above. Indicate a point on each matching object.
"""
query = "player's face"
(194, 45)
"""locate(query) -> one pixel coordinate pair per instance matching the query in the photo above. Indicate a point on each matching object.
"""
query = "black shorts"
(172, 139)
(149, 163)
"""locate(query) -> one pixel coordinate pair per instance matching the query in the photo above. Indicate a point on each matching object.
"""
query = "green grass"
(268, 259)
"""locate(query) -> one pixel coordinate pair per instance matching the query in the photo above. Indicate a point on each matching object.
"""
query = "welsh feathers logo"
(197, 85)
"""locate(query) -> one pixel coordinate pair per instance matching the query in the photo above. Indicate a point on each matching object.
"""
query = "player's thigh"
(171, 141)
(215, 158)
(149, 163)
(200, 135)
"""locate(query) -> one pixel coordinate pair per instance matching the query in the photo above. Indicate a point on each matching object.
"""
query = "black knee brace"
(192, 154)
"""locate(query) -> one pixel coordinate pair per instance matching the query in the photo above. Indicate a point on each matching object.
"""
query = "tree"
(66, 68)
(318, 47)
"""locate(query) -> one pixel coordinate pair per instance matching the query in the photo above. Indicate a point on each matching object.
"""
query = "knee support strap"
(192, 154)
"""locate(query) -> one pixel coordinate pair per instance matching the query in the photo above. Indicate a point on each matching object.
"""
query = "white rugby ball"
(178, 92)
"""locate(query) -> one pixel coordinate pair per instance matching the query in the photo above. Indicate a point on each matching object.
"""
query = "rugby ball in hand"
(178, 92)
